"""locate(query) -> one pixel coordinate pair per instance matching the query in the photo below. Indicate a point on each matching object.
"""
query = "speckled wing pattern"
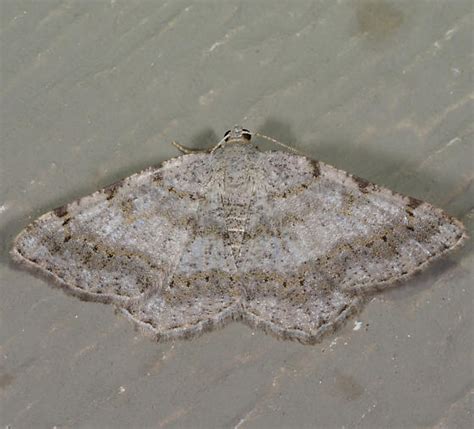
(322, 239)
(277, 240)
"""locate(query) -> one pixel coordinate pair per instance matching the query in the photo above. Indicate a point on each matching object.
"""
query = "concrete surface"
(93, 91)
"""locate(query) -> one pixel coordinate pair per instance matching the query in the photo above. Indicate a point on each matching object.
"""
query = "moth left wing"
(121, 243)
(203, 291)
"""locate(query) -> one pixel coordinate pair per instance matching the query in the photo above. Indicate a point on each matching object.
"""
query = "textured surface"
(95, 91)
(287, 243)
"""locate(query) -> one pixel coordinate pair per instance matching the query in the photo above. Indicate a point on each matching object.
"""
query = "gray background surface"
(93, 91)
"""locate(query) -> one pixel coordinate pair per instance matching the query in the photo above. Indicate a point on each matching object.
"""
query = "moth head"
(237, 133)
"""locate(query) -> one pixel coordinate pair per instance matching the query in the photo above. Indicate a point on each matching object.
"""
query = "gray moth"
(282, 242)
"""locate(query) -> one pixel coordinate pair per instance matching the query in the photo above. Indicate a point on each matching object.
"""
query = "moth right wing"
(321, 238)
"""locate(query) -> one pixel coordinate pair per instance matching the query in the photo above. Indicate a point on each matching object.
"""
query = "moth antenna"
(187, 150)
(279, 143)
(218, 145)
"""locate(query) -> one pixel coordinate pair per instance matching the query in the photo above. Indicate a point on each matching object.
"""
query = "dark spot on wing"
(361, 183)
(413, 203)
(111, 190)
(60, 211)
(316, 169)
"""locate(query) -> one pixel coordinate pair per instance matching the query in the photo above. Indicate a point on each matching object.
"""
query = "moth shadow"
(281, 131)
(204, 139)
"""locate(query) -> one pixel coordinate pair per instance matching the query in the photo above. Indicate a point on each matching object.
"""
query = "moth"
(275, 239)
